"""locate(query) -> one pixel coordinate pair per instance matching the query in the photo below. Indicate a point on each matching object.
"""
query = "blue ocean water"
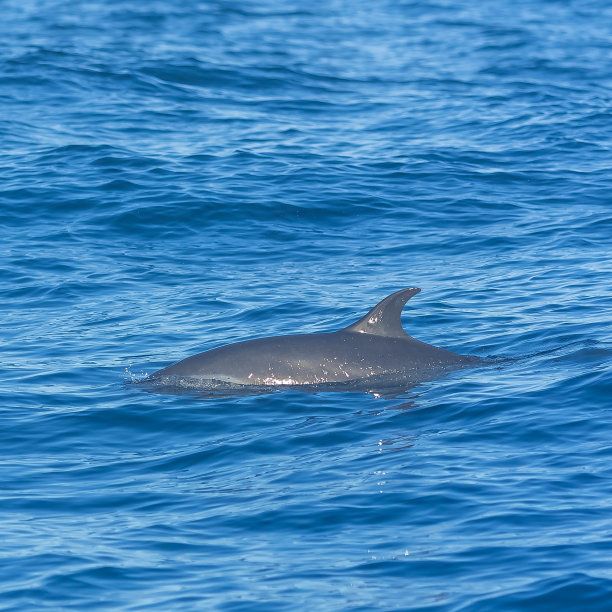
(175, 177)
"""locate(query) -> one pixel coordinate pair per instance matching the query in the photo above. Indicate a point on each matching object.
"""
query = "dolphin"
(373, 348)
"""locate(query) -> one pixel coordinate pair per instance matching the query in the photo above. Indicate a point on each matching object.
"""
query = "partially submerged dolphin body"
(374, 348)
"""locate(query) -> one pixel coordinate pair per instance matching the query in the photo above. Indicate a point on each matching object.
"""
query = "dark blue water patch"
(570, 591)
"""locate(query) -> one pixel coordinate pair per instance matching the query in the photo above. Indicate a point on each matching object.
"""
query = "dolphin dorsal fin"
(385, 318)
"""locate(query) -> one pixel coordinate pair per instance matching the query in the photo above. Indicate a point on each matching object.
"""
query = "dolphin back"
(375, 346)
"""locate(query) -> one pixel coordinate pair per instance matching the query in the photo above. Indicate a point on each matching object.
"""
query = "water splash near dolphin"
(374, 352)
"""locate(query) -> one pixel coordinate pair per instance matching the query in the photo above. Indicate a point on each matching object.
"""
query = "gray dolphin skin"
(374, 347)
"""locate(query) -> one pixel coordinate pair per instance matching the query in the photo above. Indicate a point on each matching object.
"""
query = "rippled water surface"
(175, 177)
